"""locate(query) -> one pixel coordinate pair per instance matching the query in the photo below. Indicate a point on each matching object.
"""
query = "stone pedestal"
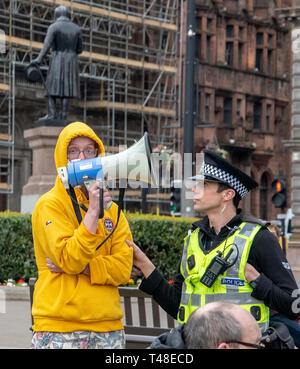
(50, 123)
(42, 141)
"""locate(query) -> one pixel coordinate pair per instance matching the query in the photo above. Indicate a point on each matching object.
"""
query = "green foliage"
(16, 247)
(160, 237)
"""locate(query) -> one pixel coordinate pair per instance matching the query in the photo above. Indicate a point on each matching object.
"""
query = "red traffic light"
(279, 197)
(278, 186)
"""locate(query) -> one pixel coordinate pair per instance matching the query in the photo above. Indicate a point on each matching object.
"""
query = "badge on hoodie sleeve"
(108, 224)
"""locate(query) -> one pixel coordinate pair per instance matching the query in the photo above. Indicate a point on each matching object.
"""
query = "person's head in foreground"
(221, 325)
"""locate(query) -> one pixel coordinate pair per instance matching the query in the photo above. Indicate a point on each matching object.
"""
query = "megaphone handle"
(101, 212)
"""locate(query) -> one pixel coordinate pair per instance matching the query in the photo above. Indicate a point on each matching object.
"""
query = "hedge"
(161, 238)
(16, 247)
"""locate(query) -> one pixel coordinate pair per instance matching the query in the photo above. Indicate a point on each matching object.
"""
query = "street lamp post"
(189, 104)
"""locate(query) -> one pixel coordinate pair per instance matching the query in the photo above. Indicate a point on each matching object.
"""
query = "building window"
(229, 31)
(240, 55)
(229, 53)
(259, 51)
(207, 108)
(265, 46)
(208, 48)
(227, 116)
(199, 23)
(238, 109)
(268, 117)
(234, 45)
(241, 32)
(259, 38)
(240, 47)
(209, 25)
(204, 34)
(258, 60)
(229, 45)
(257, 115)
(269, 61)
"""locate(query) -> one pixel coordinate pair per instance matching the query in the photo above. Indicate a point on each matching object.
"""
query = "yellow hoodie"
(71, 301)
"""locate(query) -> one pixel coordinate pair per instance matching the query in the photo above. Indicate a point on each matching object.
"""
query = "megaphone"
(131, 164)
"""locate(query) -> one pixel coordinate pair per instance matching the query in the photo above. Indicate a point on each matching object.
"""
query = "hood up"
(71, 131)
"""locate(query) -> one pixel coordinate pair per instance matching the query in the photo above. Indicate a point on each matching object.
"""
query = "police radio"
(217, 266)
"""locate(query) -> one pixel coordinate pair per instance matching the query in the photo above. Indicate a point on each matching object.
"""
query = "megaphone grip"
(108, 205)
(101, 207)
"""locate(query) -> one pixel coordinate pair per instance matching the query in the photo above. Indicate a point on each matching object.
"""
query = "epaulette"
(252, 219)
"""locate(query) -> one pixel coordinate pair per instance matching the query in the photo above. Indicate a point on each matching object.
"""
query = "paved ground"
(15, 323)
(15, 317)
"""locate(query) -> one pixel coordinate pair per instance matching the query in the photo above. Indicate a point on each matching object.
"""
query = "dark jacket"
(276, 337)
(170, 340)
(64, 38)
(275, 286)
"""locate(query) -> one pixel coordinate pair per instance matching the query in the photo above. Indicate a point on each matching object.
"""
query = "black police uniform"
(276, 281)
(275, 286)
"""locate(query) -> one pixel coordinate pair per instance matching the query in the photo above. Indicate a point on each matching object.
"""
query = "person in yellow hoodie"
(76, 303)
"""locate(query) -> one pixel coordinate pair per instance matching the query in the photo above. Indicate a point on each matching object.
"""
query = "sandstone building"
(132, 79)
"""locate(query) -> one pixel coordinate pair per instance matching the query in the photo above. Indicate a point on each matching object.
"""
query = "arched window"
(263, 198)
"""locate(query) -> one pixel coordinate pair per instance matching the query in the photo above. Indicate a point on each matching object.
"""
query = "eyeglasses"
(258, 346)
(88, 153)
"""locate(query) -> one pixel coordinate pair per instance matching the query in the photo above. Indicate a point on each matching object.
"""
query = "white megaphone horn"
(131, 164)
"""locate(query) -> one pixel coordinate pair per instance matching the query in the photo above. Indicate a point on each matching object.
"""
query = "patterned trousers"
(78, 340)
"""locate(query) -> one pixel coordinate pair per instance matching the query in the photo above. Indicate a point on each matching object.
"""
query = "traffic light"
(175, 197)
(279, 197)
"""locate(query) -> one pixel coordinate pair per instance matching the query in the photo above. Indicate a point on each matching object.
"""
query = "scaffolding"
(130, 68)
(6, 115)
(133, 43)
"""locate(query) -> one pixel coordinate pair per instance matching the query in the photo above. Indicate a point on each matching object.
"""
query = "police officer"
(228, 256)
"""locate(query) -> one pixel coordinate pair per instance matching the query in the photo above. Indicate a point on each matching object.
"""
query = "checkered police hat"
(217, 169)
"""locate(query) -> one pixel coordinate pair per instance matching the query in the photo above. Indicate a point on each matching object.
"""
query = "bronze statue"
(64, 38)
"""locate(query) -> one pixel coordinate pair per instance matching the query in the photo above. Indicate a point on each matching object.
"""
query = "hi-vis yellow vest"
(231, 286)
